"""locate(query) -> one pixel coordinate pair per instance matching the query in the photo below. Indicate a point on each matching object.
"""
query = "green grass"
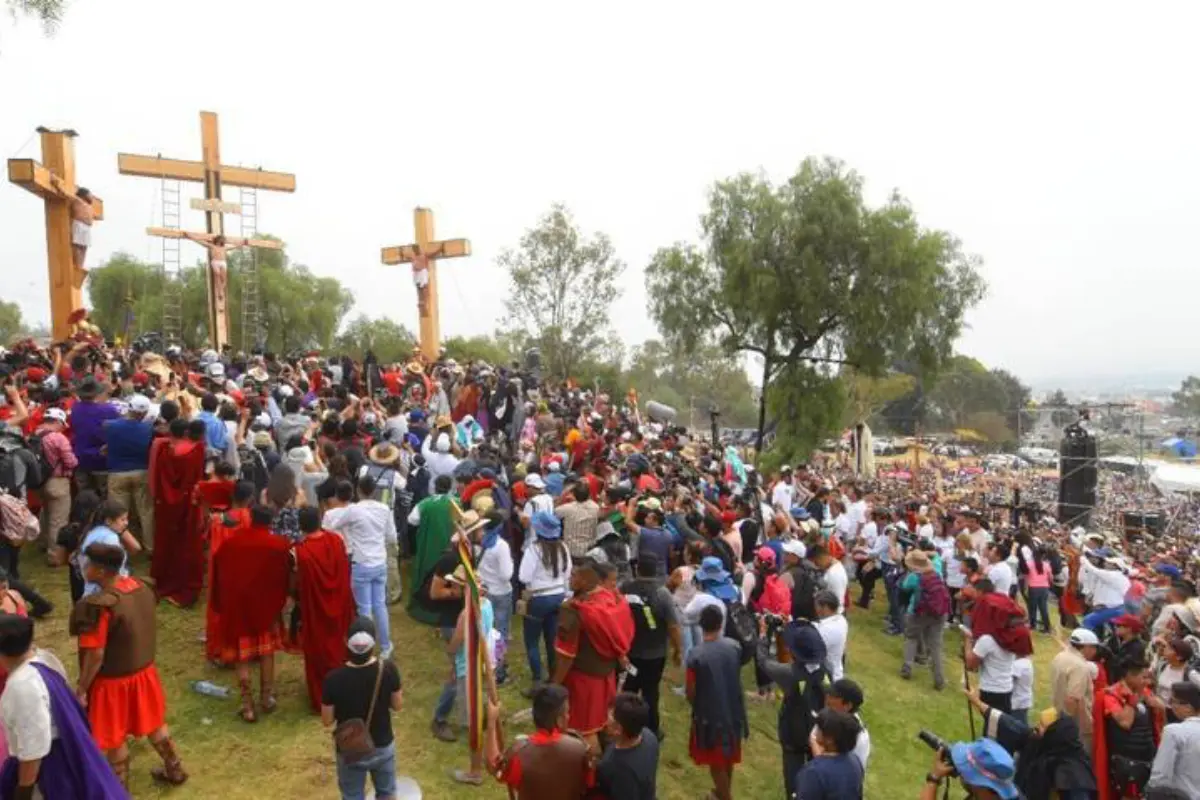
(289, 755)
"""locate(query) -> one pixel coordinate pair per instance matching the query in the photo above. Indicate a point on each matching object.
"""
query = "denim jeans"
(445, 701)
(691, 636)
(1100, 617)
(1039, 604)
(891, 581)
(541, 621)
(369, 585)
(380, 765)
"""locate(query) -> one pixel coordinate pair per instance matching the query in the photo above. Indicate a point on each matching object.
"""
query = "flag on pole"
(477, 650)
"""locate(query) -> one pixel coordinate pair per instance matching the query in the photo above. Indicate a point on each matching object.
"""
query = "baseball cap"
(795, 547)
(56, 415)
(1128, 621)
(1168, 569)
(1082, 637)
(766, 555)
(535, 481)
(215, 370)
(139, 404)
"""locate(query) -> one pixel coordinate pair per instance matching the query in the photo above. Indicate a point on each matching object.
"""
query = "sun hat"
(546, 526)
(300, 456)
(471, 521)
(383, 453)
(917, 561)
(987, 765)
(713, 576)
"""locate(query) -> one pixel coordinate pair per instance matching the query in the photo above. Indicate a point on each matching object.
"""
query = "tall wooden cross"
(214, 175)
(424, 255)
(53, 180)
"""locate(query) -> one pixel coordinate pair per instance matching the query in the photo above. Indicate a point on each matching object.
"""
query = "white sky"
(1058, 140)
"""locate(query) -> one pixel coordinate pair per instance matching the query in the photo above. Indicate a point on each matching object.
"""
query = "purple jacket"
(87, 425)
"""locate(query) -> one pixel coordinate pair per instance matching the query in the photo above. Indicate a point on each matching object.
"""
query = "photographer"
(984, 768)
(1053, 763)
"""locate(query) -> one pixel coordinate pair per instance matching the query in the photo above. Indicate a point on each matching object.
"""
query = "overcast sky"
(1060, 141)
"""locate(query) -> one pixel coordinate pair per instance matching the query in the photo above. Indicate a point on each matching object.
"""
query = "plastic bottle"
(209, 689)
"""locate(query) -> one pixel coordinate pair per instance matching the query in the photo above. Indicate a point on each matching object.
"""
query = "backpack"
(17, 522)
(385, 486)
(34, 445)
(934, 599)
(646, 624)
(741, 626)
(774, 597)
(806, 582)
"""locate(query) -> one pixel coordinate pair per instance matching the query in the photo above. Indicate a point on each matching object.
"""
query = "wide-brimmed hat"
(415, 368)
(257, 374)
(546, 526)
(711, 570)
(300, 456)
(89, 387)
(470, 521)
(917, 561)
(384, 453)
(987, 765)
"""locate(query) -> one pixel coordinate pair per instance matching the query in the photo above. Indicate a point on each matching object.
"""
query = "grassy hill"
(289, 755)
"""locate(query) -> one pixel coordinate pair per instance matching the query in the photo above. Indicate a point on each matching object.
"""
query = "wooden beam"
(450, 248)
(33, 177)
(180, 170)
(223, 206)
(231, 242)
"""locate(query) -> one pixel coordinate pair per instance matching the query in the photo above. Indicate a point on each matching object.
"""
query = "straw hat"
(384, 453)
(470, 521)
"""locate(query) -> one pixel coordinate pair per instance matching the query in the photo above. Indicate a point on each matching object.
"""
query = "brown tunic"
(131, 630)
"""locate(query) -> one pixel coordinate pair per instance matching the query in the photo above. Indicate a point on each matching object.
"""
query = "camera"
(939, 745)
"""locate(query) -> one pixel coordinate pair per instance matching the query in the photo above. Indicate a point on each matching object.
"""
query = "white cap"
(300, 456)
(369, 418)
(285, 390)
(215, 370)
(534, 481)
(56, 415)
(139, 404)
(361, 643)
(553, 466)
(1082, 637)
(263, 419)
(443, 443)
(795, 547)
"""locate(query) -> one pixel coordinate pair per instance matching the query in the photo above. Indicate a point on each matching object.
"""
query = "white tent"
(1176, 479)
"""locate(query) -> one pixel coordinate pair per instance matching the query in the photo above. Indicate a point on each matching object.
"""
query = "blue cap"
(800, 513)
(1168, 569)
(545, 525)
(987, 765)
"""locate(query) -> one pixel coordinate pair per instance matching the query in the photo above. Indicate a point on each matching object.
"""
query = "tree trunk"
(762, 408)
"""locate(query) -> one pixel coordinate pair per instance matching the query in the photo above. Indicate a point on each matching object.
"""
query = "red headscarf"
(996, 615)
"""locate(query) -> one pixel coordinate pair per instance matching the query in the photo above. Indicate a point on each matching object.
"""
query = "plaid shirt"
(59, 454)
(579, 525)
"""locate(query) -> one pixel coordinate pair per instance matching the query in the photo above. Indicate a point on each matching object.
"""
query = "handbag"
(352, 737)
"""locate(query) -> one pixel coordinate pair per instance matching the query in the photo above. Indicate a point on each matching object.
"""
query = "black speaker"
(1077, 477)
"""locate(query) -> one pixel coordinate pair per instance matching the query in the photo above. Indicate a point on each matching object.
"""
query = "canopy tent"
(1176, 479)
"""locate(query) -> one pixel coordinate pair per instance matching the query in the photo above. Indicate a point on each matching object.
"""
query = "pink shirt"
(58, 452)
(1035, 578)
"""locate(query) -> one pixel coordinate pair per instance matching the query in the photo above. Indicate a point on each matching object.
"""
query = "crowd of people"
(305, 498)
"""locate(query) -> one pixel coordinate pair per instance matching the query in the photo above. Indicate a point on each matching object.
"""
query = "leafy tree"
(809, 405)
(808, 271)
(693, 384)
(1187, 399)
(1060, 417)
(299, 309)
(10, 321)
(867, 396)
(496, 350)
(991, 425)
(390, 341)
(47, 12)
(561, 288)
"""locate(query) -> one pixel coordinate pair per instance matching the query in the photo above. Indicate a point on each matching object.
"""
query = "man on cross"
(216, 260)
(82, 217)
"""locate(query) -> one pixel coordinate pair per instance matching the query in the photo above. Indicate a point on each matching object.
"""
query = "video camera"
(938, 745)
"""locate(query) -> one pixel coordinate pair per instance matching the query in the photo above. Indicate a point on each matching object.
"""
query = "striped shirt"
(59, 454)
(579, 525)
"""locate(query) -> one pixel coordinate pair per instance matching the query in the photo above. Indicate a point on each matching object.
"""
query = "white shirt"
(846, 528)
(701, 601)
(996, 670)
(25, 709)
(437, 463)
(837, 581)
(1022, 695)
(538, 579)
(367, 527)
(399, 482)
(862, 748)
(1001, 576)
(834, 629)
(782, 495)
(858, 513)
(870, 532)
(1108, 586)
(496, 569)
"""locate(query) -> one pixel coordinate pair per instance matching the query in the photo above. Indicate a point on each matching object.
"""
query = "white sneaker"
(386, 653)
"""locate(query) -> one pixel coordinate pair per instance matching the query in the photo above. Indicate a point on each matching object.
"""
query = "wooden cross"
(214, 175)
(424, 255)
(53, 180)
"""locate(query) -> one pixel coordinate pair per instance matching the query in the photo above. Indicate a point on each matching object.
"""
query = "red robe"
(222, 527)
(178, 562)
(251, 573)
(326, 607)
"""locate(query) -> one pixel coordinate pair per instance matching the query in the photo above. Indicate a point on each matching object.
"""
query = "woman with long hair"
(545, 574)
(285, 498)
(1038, 575)
(82, 520)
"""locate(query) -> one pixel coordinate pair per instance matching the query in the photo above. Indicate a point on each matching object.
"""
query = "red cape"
(222, 527)
(326, 607)
(251, 572)
(998, 616)
(177, 565)
(606, 619)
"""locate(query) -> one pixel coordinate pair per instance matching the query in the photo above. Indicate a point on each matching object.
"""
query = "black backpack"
(33, 444)
(806, 582)
(741, 626)
(254, 467)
